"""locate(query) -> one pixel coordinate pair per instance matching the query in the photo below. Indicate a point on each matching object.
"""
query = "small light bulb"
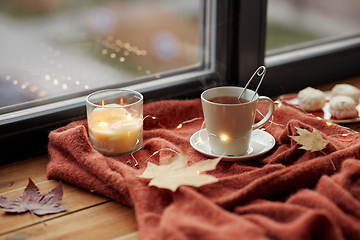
(278, 102)
(199, 141)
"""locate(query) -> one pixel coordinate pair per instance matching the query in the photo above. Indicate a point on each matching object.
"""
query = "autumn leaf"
(31, 200)
(176, 173)
(310, 140)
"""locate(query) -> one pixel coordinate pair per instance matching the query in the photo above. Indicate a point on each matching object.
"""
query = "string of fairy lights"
(112, 48)
(163, 149)
(327, 123)
(271, 122)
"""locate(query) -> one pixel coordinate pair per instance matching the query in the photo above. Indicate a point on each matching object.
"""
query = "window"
(60, 51)
(57, 50)
(310, 43)
(225, 43)
(301, 21)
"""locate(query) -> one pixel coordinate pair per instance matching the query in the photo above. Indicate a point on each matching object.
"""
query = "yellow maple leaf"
(310, 140)
(176, 173)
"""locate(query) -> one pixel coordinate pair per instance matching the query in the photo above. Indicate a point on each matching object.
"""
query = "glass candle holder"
(115, 121)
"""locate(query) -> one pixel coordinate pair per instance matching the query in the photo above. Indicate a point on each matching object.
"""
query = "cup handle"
(268, 115)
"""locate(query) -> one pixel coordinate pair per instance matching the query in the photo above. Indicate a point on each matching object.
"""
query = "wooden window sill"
(90, 215)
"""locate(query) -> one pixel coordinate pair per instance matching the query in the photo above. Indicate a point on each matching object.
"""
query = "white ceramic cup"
(230, 126)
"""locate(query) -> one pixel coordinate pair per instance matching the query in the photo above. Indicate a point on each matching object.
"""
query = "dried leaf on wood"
(176, 172)
(31, 200)
(310, 140)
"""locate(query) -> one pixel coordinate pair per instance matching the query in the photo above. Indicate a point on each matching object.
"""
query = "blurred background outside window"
(292, 22)
(54, 49)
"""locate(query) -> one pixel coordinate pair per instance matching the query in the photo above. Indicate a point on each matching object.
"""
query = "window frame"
(237, 49)
(312, 64)
(24, 133)
(291, 69)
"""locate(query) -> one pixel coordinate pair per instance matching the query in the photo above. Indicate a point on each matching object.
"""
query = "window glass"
(293, 22)
(51, 49)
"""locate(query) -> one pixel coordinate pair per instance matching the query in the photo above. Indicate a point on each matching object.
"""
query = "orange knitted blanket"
(288, 193)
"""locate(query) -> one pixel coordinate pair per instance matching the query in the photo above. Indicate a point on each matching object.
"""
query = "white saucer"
(260, 143)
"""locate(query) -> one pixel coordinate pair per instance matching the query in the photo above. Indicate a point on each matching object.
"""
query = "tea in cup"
(230, 120)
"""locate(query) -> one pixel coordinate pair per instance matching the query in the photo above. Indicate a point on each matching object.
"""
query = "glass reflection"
(54, 48)
(293, 22)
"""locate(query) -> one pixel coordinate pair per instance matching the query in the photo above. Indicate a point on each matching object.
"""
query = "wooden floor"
(90, 216)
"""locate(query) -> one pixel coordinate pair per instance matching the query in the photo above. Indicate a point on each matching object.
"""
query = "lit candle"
(113, 129)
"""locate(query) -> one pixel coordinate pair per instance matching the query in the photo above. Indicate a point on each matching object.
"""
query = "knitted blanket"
(288, 193)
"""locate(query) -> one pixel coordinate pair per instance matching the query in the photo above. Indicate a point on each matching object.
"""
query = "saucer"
(260, 143)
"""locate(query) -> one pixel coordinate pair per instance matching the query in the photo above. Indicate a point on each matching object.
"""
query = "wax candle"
(115, 129)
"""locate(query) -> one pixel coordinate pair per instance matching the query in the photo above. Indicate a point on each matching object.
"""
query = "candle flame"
(102, 103)
(121, 101)
(102, 124)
